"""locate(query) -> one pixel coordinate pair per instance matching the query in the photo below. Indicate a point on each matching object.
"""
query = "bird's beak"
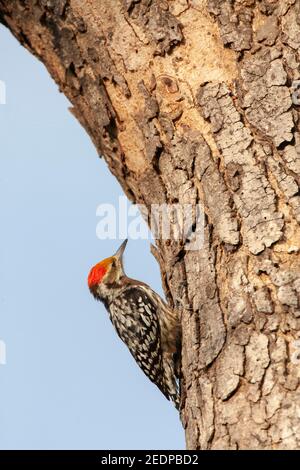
(119, 253)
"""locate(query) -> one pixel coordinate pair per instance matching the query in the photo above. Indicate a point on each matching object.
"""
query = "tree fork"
(195, 101)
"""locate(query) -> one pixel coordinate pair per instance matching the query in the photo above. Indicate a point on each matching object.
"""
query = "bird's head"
(108, 271)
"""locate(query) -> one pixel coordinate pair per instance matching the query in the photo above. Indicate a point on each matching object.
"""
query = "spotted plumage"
(143, 321)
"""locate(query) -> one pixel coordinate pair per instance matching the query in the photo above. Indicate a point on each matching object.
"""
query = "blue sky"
(68, 382)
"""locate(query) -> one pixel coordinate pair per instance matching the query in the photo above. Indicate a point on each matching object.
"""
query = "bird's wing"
(138, 327)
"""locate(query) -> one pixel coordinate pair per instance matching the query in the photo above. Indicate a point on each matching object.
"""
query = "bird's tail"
(171, 384)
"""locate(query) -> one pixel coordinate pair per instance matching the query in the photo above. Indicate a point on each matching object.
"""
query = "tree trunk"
(196, 101)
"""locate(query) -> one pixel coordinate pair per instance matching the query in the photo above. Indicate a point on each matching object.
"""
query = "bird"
(148, 326)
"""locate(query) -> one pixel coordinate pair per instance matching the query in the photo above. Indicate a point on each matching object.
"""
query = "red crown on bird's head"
(98, 272)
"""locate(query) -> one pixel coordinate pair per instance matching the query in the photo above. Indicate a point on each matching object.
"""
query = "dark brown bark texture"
(196, 101)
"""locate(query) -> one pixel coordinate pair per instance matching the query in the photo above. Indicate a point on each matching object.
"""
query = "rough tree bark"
(196, 101)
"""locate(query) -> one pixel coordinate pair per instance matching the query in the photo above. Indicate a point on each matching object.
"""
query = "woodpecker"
(144, 322)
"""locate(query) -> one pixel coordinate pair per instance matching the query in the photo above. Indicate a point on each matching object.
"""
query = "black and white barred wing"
(134, 316)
